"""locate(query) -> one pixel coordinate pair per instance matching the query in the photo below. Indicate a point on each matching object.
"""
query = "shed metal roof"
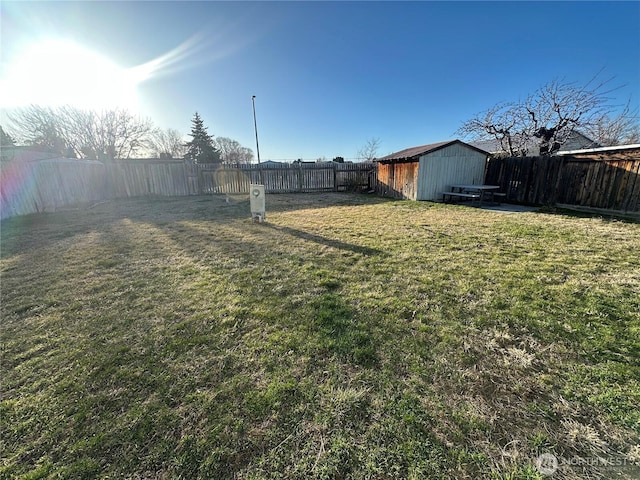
(414, 153)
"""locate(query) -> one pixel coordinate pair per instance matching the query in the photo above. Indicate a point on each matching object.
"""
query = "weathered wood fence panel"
(223, 180)
(607, 183)
(140, 177)
(48, 185)
(356, 176)
(287, 178)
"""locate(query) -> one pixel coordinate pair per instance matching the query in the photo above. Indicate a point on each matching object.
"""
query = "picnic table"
(479, 193)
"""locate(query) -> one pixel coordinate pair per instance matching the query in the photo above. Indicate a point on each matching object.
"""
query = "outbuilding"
(424, 172)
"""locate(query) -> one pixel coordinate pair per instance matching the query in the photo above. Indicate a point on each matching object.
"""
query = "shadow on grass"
(326, 320)
(629, 217)
(44, 229)
(319, 239)
(341, 332)
(227, 208)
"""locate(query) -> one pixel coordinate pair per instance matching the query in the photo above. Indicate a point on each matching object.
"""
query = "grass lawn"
(348, 337)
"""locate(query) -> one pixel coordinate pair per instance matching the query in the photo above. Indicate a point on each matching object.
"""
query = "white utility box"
(257, 200)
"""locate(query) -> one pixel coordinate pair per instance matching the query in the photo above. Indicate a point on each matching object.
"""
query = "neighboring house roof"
(414, 153)
(576, 140)
(491, 146)
(151, 160)
(22, 153)
(75, 161)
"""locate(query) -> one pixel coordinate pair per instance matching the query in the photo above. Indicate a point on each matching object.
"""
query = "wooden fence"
(611, 183)
(604, 183)
(171, 178)
(296, 177)
(151, 177)
(48, 185)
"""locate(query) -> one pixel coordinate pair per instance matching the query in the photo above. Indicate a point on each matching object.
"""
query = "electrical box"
(257, 201)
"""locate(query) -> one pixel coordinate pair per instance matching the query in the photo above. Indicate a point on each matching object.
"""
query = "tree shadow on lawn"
(43, 229)
(105, 332)
(269, 273)
(609, 217)
(319, 239)
(341, 333)
(223, 208)
(120, 333)
(110, 232)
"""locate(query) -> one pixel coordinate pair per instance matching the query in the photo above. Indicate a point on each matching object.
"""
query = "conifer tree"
(201, 149)
(5, 138)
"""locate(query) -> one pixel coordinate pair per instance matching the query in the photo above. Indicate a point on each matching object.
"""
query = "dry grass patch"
(348, 337)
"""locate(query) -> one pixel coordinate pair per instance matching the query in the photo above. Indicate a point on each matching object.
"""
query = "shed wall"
(451, 165)
(398, 179)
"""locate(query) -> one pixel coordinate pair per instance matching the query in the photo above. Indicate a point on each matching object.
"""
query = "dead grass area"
(349, 336)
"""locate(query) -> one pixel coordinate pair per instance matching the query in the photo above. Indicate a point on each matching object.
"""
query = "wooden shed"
(423, 172)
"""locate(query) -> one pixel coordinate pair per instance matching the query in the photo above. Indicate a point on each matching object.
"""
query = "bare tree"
(232, 152)
(104, 135)
(621, 129)
(40, 126)
(545, 120)
(167, 144)
(505, 122)
(558, 109)
(369, 150)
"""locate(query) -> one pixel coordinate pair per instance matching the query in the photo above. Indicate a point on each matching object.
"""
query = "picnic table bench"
(474, 192)
(472, 196)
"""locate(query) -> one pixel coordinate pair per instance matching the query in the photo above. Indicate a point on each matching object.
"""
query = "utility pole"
(255, 125)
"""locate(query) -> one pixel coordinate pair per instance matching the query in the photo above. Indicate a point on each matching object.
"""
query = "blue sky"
(328, 76)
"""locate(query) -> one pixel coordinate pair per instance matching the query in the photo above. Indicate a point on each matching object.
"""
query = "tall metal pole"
(255, 125)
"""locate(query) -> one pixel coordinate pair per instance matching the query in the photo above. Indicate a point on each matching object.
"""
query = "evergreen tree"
(5, 138)
(201, 149)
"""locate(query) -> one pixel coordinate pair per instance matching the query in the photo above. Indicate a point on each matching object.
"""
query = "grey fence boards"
(288, 178)
(48, 185)
(134, 178)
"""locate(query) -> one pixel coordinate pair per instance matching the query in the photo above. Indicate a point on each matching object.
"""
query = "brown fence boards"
(597, 182)
(631, 201)
(397, 179)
